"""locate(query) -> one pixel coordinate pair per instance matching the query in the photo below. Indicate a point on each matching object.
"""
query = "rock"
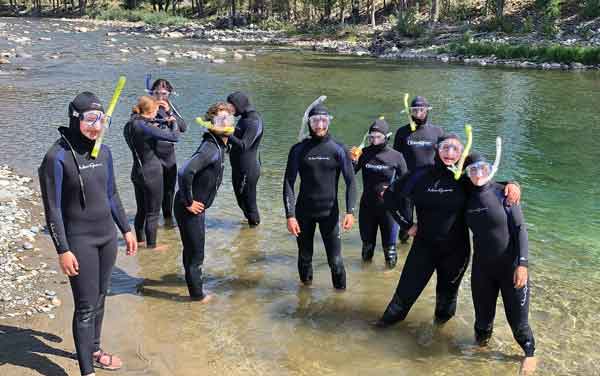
(4, 61)
(56, 302)
(238, 56)
(124, 51)
(27, 246)
(175, 34)
(51, 316)
(81, 29)
(577, 66)
(162, 60)
(218, 49)
(162, 52)
(218, 61)
(50, 293)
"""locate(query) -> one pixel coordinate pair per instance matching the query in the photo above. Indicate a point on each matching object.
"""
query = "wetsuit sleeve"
(398, 141)
(359, 164)
(51, 179)
(199, 161)
(116, 207)
(253, 129)
(157, 133)
(520, 234)
(348, 173)
(181, 124)
(289, 179)
(395, 199)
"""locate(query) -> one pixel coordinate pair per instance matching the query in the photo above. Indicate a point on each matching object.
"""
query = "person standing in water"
(319, 160)
(418, 146)
(82, 205)
(380, 166)
(441, 241)
(500, 260)
(143, 134)
(168, 119)
(244, 158)
(199, 180)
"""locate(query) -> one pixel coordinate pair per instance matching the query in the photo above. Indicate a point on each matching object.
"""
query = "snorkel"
(304, 133)
(497, 159)
(457, 170)
(109, 112)
(210, 126)
(413, 126)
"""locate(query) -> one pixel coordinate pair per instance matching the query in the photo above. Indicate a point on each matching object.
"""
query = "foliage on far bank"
(543, 53)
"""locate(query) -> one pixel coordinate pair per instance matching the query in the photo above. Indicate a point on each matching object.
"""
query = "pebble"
(27, 246)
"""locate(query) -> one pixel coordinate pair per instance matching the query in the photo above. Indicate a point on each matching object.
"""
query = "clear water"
(263, 322)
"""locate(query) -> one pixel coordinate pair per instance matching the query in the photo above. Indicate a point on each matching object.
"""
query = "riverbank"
(446, 44)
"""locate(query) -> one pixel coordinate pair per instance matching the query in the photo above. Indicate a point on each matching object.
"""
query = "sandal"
(109, 366)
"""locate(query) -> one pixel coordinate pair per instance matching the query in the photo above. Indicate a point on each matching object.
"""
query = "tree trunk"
(435, 12)
(355, 11)
(499, 9)
(373, 13)
(82, 4)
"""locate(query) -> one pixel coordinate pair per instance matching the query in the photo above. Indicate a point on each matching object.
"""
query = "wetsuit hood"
(420, 101)
(381, 126)
(241, 102)
(83, 102)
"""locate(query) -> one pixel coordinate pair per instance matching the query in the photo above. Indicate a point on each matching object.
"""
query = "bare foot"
(160, 248)
(104, 360)
(528, 366)
(207, 298)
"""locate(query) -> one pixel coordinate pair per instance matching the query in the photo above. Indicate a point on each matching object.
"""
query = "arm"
(181, 124)
(116, 207)
(51, 179)
(200, 160)
(520, 234)
(348, 173)
(396, 200)
(155, 132)
(252, 131)
(289, 179)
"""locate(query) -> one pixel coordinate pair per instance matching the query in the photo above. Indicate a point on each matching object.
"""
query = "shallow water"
(262, 322)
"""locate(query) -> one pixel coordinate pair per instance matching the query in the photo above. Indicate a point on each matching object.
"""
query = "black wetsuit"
(441, 244)
(82, 205)
(418, 149)
(142, 136)
(319, 161)
(199, 180)
(244, 156)
(165, 150)
(499, 244)
(380, 166)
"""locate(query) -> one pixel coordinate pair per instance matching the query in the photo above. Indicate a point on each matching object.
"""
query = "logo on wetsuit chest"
(317, 158)
(477, 211)
(91, 165)
(420, 143)
(376, 167)
(437, 189)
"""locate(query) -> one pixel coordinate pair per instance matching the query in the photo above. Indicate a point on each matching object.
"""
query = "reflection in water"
(262, 321)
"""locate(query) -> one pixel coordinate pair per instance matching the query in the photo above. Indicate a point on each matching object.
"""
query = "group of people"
(415, 174)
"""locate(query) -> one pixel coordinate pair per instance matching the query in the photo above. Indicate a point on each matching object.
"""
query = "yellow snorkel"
(413, 126)
(111, 109)
(458, 170)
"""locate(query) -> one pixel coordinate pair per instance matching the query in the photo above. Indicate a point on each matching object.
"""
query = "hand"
(68, 263)
(412, 231)
(293, 226)
(131, 241)
(520, 277)
(196, 207)
(164, 104)
(355, 153)
(348, 222)
(382, 193)
(171, 119)
(512, 193)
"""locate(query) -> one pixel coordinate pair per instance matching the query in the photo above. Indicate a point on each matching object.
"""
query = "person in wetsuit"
(319, 160)
(168, 119)
(142, 134)
(82, 205)
(199, 180)
(500, 259)
(244, 158)
(380, 166)
(441, 239)
(418, 147)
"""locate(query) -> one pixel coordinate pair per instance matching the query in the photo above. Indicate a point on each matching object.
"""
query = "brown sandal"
(106, 366)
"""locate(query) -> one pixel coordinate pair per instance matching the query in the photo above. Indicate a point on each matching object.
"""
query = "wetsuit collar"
(319, 140)
(483, 188)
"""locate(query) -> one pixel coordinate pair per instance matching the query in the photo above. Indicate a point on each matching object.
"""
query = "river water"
(262, 321)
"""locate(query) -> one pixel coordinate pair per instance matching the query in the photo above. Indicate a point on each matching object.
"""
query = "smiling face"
(449, 151)
(91, 124)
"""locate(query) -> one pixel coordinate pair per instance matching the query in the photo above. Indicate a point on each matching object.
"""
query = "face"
(419, 112)
(479, 173)
(376, 138)
(223, 120)
(450, 151)
(92, 123)
(319, 124)
(161, 94)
